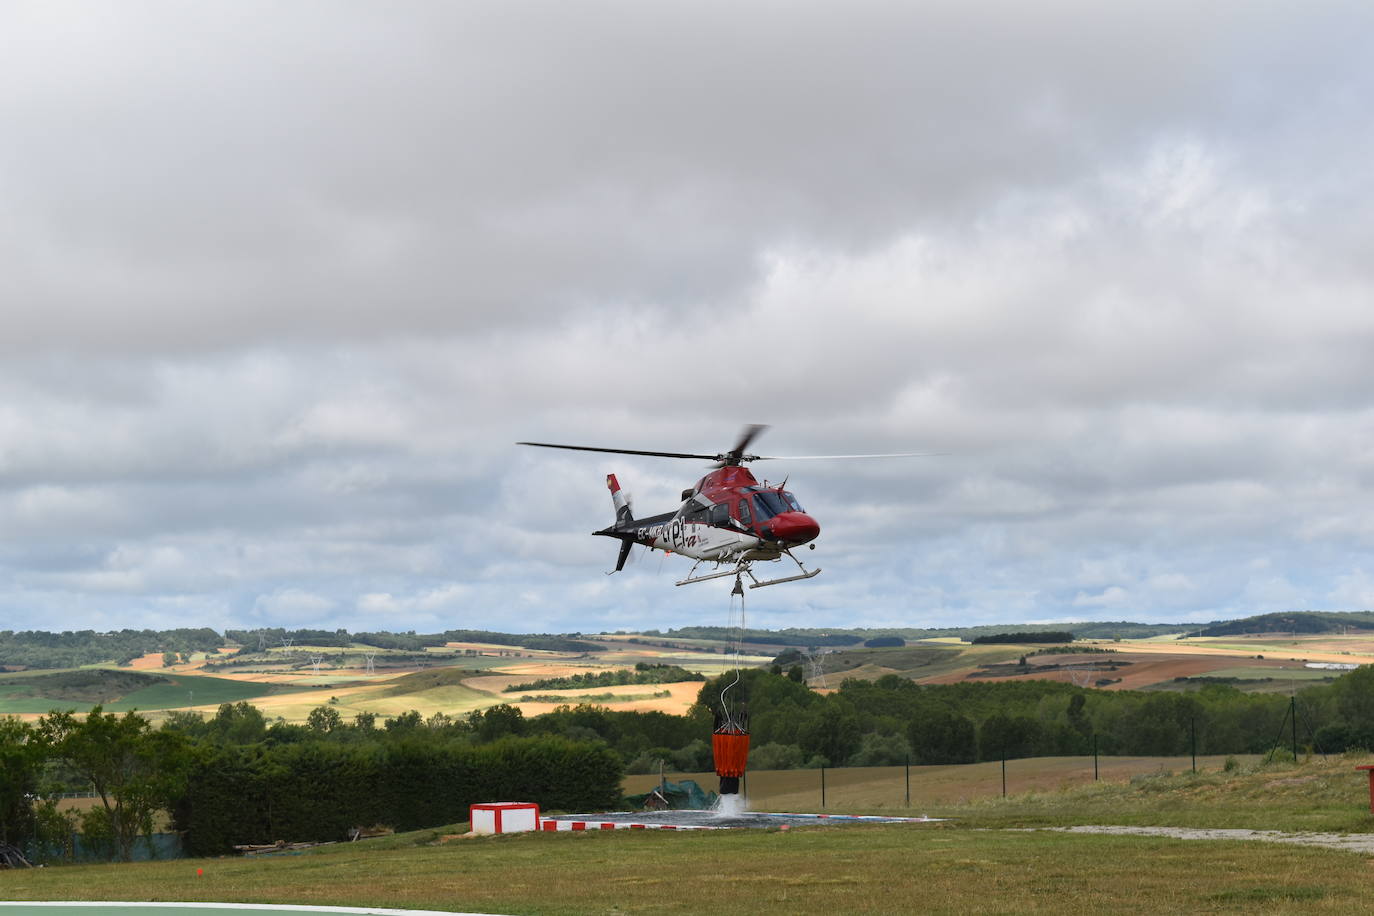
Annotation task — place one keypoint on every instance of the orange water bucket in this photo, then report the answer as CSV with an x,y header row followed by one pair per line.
x,y
731,752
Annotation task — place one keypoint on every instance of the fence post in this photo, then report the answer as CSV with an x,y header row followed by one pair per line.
x,y
1004,772
1192,731
1293,711
1094,756
822,787
908,780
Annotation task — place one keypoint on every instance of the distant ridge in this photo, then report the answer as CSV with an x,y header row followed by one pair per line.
x,y
1290,622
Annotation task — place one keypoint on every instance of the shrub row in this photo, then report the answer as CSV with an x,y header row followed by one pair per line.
x,y
316,791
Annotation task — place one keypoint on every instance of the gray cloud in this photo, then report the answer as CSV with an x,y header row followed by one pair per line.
x,y
282,286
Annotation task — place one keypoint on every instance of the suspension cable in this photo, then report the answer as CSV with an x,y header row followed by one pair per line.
x,y
737,624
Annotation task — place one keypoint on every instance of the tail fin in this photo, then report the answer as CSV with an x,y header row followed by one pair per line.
x,y
621,499
625,546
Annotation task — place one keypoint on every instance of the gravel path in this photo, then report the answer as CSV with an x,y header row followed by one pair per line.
x,y
1350,842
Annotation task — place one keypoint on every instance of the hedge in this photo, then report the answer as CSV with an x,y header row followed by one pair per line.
x,y
316,791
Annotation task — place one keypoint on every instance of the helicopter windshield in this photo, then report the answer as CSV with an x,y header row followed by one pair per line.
x,y
768,503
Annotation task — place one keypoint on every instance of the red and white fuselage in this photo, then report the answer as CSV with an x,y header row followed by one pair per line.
x,y
728,516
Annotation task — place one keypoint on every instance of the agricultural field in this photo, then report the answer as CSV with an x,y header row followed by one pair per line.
x,y
992,856
118,690
284,681
1263,663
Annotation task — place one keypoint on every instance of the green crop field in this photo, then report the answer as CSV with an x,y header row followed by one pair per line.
x,y
189,689
178,690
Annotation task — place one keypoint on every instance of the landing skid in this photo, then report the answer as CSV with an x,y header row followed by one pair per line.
x,y
744,568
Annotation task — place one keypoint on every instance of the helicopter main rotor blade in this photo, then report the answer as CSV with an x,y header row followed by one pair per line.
x,y
619,451
736,455
840,457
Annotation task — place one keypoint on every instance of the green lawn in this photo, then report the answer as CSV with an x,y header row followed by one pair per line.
x,y
870,869
981,861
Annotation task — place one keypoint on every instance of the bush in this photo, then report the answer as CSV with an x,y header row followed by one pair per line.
x,y
881,751
774,756
694,758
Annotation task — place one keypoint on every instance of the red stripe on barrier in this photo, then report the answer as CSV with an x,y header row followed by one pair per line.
x,y
578,825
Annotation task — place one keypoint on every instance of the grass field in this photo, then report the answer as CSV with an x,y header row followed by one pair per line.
x,y
982,861
874,789
878,869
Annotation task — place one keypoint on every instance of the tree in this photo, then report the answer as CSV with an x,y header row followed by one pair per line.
x,y
941,736
405,722
21,761
239,723
324,719
1003,736
497,722
134,769
877,750
831,732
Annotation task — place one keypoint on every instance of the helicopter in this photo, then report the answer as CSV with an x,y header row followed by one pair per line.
x,y
726,518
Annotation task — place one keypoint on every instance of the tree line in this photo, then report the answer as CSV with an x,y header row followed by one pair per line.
x,y
74,648
236,779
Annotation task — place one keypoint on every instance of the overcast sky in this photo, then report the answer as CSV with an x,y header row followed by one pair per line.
x,y
283,283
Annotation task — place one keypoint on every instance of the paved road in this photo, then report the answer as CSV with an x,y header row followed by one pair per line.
x,y
1351,842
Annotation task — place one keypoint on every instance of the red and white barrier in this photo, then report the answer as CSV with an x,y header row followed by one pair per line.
x,y
551,825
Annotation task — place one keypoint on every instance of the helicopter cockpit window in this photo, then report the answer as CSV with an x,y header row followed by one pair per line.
x,y
792,501
768,504
720,515
744,517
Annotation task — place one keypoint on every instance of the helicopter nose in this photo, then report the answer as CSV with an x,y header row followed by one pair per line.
x,y
795,528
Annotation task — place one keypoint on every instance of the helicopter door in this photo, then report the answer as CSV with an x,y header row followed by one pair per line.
x,y
720,515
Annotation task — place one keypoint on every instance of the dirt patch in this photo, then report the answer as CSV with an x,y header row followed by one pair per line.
x,y
1350,842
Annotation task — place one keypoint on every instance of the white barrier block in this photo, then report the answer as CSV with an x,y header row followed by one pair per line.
x,y
504,817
